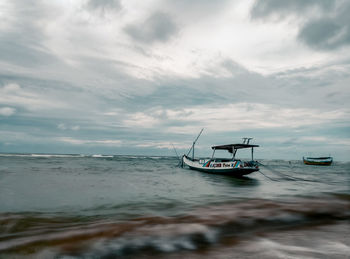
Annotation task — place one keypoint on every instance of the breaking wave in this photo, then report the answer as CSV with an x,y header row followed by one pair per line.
x,y
203,228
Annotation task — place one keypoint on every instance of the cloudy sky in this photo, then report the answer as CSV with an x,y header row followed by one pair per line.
x,y
135,77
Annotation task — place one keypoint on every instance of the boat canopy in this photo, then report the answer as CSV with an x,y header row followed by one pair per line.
x,y
231,147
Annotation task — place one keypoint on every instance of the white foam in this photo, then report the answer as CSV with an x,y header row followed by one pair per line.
x,y
53,155
39,155
101,156
326,248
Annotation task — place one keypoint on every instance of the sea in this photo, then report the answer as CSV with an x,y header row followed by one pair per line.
x,y
101,206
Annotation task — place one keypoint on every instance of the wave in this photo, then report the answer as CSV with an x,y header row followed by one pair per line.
x,y
102,156
41,155
55,155
201,228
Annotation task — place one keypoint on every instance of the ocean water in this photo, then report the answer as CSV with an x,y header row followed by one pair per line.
x,y
73,206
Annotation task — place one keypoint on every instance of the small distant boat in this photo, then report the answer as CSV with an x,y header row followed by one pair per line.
x,y
226,166
318,160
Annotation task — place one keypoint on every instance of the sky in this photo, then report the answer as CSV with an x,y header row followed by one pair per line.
x,y
141,77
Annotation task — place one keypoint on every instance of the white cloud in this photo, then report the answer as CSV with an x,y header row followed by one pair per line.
x,y
76,127
62,126
74,141
11,88
141,120
118,143
14,136
30,99
7,111
236,117
228,32
160,145
327,140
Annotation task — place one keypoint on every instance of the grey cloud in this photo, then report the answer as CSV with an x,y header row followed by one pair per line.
x,y
196,5
21,38
186,12
246,86
158,27
233,67
320,33
275,8
325,23
103,6
328,33
207,90
96,4
86,108
22,53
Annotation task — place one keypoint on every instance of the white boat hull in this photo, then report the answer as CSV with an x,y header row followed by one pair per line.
x,y
231,167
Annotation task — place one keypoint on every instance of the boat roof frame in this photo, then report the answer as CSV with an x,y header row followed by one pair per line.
x,y
231,147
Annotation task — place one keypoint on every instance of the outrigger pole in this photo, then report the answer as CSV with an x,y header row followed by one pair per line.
x,y
194,142
175,151
180,160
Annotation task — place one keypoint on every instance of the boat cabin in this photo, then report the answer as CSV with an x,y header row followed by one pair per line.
x,y
232,148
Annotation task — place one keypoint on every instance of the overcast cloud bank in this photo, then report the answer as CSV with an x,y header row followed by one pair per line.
x,y
125,77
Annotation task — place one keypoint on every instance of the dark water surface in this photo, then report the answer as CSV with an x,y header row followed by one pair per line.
x,y
71,206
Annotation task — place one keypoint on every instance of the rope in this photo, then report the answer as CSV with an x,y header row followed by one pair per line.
x,y
268,177
285,176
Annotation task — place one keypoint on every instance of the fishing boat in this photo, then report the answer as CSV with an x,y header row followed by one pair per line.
x,y
227,166
318,160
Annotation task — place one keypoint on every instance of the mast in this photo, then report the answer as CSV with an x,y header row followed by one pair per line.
x,y
193,150
212,156
194,142
234,151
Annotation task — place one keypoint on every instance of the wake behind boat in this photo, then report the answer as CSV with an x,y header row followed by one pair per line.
x,y
227,166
